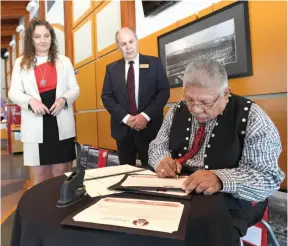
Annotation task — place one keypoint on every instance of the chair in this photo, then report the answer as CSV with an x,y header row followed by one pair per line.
x,y
270,231
112,159
261,221
98,158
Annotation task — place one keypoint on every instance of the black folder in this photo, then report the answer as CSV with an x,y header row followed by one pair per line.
x,y
180,234
148,190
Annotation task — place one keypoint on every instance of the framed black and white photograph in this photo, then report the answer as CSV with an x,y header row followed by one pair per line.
x,y
222,35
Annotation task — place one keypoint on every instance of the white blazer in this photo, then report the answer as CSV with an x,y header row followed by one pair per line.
x,y
24,87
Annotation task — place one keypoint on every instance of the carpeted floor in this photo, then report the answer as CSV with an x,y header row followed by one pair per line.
x,y
278,216
6,230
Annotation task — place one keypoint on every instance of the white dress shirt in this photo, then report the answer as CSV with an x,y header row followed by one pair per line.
x,y
136,79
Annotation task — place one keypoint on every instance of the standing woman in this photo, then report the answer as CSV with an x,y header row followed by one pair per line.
x,y
44,86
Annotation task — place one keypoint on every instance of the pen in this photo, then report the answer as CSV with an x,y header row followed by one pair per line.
x,y
173,157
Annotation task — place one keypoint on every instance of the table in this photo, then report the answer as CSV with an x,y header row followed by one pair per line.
x,y
37,222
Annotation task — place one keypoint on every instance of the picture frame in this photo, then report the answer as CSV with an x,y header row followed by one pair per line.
x,y
223,35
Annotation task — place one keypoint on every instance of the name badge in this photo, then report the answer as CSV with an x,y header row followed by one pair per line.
x,y
144,65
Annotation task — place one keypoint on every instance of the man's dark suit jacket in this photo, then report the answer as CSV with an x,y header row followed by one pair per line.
x,y
153,95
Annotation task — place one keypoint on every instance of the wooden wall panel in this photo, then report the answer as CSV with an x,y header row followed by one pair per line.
x,y
108,49
97,3
269,58
42,9
222,4
86,79
187,20
17,44
7,62
100,73
166,109
6,79
276,108
104,131
68,29
128,14
86,128
10,58
84,15
205,11
175,94
149,44
91,35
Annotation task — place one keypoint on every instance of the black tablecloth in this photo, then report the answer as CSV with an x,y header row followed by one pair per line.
x,y
37,222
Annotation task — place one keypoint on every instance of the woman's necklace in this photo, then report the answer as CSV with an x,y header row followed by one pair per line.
x,y
43,81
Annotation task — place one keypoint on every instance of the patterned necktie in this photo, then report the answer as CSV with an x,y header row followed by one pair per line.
x,y
131,89
197,143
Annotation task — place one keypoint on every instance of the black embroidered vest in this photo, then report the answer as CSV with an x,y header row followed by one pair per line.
x,y
225,145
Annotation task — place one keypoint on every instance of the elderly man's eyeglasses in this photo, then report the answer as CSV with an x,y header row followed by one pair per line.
x,y
204,106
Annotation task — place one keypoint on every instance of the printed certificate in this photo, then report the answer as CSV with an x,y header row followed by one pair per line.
x,y
150,215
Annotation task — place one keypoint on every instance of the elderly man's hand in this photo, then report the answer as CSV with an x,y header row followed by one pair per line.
x,y
168,167
202,181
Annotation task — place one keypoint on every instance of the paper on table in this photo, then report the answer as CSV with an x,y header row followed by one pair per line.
x,y
167,192
153,181
146,172
134,213
99,187
108,171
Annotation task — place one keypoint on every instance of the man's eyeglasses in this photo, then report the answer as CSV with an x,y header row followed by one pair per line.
x,y
204,106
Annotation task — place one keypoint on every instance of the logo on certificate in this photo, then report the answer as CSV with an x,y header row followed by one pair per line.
x,y
140,222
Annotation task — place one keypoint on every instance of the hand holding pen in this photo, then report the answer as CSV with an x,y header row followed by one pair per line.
x,y
178,166
168,168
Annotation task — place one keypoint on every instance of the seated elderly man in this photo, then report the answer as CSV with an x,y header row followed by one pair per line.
x,y
227,143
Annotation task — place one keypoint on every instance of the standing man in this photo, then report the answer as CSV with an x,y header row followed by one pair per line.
x,y
135,92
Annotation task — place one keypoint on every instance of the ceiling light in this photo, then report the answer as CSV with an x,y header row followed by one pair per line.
x,y
12,43
31,6
20,28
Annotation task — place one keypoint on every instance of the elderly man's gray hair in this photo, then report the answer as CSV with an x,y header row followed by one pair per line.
x,y
205,73
131,29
